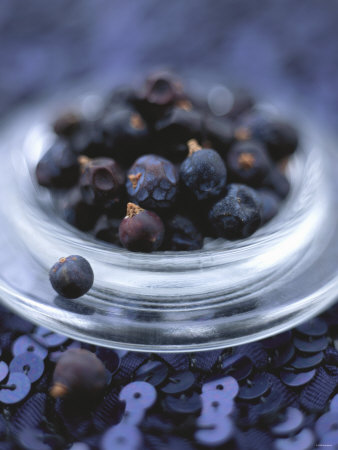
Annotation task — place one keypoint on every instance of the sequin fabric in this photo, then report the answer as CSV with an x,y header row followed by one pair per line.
x,y
279,393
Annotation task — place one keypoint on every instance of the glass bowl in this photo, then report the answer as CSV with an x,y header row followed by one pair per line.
x,y
228,293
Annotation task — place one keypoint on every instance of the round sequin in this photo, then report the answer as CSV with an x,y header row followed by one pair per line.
x,y
213,433
180,382
295,379
315,327
293,421
183,404
301,441
307,362
35,439
138,394
277,341
269,407
215,402
3,370
16,389
133,416
122,437
326,423
282,356
48,338
330,440
153,372
238,366
312,345
32,439
28,363
228,385
254,388
79,446
26,344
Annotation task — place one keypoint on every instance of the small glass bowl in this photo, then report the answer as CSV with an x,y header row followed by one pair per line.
x,y
226,294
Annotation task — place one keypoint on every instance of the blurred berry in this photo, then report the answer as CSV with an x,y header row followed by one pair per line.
x,y
270,204
248,163
277,182
107,229
67,123
126,134
79,374
58,167
77,212
182,234
279,137
178,126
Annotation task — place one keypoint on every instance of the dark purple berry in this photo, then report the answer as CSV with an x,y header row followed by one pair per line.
x,y
72,276
248,163
203,172
121,97
107,229
88,140
242,103
126,134
270,203
279,137
218,133
58,167
277,182
237,215
67,124
160,91
152,182
102,182
79,374
77,212
182,234
178,126
141,230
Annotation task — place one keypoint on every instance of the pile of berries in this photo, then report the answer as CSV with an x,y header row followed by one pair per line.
x,y
181,171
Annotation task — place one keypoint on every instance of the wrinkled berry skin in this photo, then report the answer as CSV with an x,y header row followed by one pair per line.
x,y
79,374
248,163
279,137
204,174
270,204
182,234
71,277
237,215
156,182
58,167
142,232
102,182
126,135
